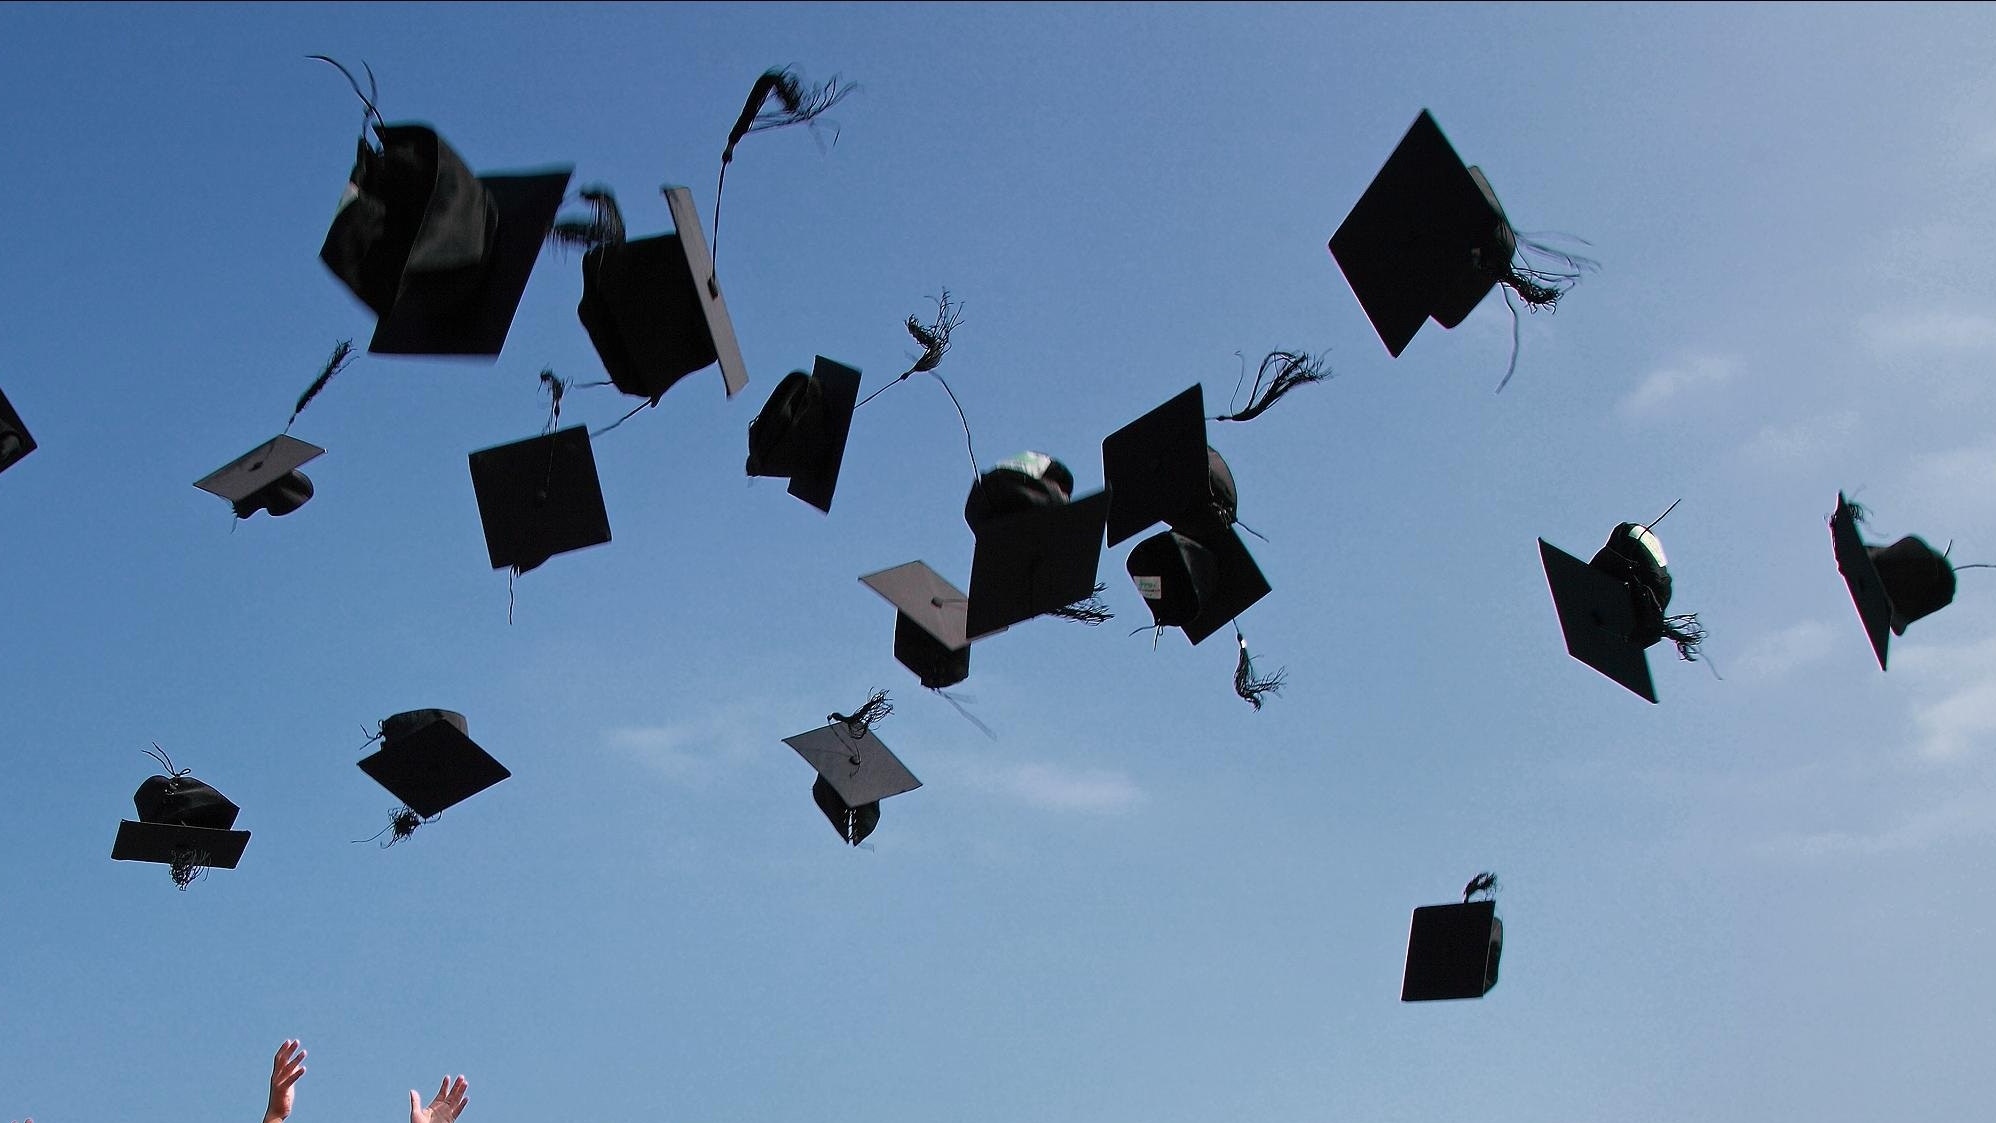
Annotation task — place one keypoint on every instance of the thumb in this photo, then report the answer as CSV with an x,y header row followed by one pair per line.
x,y
415,1101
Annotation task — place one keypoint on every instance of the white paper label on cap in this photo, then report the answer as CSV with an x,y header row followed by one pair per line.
x,y
1152,588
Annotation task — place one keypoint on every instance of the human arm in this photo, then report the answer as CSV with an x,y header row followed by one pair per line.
x,y
285,1069
450,1102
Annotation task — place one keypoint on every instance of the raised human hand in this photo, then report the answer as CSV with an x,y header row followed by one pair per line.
x,y
452,1098
285,1069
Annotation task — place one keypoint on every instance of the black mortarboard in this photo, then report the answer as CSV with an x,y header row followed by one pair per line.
x,y
427,761
1892,586
15,441
1026,482
654,311
440,255
1197,586
266,478
1034,562
1597,614
1452,952
801,432
929,635
1427,238
538,498
855,772
1158,466
183,823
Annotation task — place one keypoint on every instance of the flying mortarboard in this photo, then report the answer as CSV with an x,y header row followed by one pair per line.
x,y
427,761
1158,466
183,823
855,772
440,255
1015,485
1892,586
1035,562
1198,586
801,432
15,441
1612,608
1453,951
266,478
930,638
538,498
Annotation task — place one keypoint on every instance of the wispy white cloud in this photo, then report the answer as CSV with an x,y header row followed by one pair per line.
x,y
1777,653
1928,331
688,752
1665,383
1052,787
1801,442
1967,814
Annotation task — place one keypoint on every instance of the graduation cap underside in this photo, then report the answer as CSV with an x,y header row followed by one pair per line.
x,y
1596,615
930,637
1034,562
15,441
860,768
1452,952
1157,467
654,311
1224,577
539,497
434,768
172,844
1406,247
814,450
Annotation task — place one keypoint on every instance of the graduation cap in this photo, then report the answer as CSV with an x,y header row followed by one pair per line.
x,y
1198,586
1026,482
1428,239
1892,586
652,306
15,440
538,498
855,772
427,761
1158,467
930,637
1453,950
266,478
441,255
801,432
1034,562
1612,609
183,823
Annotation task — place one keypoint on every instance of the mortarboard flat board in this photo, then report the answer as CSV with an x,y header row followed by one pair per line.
x,y
1239,585
1157,467
654,311
257,479
1034,562
1452,952
538,498
930,637
15,441
801,432
171,844
1409,247
1597,616
859,767
460,310
1860,573
433,767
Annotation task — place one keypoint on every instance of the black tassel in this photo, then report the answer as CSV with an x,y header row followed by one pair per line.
x,y
554,387
342,355
185,866
1485,882
166,762
1090,610
1686,633
603,227
1250,687
876,709
1538,285
796,104
402,822
1292,369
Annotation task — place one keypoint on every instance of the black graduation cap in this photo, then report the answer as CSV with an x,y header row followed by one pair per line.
x,y
801,432
653,308
855,772
1892,586
538,498
266,478
1026,482
1452,951
1034,562
1427,239
930,638
1197,585
1158,466
1612,609
427,761
183,823
15,440
440,255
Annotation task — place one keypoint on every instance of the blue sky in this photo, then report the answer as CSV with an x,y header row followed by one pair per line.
x,y
1142,901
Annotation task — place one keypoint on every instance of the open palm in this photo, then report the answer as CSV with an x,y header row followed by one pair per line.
x,y
452,1097
285,1069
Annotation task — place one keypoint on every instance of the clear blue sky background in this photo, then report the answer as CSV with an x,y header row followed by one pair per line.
x,y
1763,899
